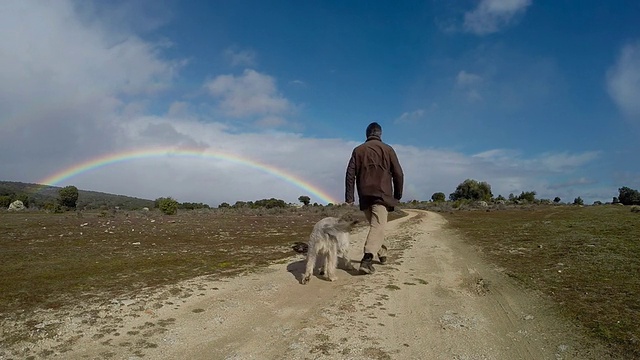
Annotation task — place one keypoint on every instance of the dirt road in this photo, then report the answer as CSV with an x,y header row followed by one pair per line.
x,y
435,299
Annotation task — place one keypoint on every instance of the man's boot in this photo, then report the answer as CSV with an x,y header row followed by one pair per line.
x,y
383,258
366,264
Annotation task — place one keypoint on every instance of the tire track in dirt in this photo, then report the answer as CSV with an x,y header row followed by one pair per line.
x,y
434,300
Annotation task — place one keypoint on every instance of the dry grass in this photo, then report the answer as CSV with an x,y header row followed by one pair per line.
x,y
586,258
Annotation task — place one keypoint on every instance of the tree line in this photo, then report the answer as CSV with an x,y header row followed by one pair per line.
x,y
468,190
473,190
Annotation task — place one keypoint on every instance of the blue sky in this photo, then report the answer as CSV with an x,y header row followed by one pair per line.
x,y
525,95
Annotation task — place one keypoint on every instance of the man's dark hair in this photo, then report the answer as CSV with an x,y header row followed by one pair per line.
x,y
374,129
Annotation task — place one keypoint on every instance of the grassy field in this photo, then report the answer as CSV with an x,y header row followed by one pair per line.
x,y
585,258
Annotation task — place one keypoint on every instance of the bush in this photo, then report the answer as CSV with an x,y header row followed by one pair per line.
x,y
529,196
193,206
167,205
460,203
578,201
5,201
53,207
68,196
272,203
242,204
304,200
472,190
629,196
438,197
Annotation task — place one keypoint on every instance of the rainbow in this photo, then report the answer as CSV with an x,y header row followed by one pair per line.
x,y
112,158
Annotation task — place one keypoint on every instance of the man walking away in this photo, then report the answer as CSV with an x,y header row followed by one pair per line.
x,y
376,172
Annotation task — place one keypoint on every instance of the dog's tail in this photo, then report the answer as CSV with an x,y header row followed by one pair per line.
x,y
341,226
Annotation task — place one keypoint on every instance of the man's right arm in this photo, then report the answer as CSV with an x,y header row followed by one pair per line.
x,y
350,179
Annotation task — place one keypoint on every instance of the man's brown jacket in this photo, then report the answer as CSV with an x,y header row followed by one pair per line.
x,y
376,172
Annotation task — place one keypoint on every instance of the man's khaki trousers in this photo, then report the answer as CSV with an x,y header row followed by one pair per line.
x,y
377,217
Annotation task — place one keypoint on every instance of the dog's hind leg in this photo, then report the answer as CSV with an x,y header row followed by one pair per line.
x,y
323,265
331,264
343,248
347,265
311,263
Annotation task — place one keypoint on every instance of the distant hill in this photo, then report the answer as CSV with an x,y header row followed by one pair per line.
x,y
38,195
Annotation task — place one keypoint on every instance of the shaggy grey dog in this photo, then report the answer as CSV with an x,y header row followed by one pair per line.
x,y
330,240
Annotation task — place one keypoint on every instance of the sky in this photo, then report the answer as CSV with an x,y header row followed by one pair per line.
x,y
226,101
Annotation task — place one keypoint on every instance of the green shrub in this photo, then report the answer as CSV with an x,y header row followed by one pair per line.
x,y
68,196
438,197
272,203
472,190
167,205
53,207
529,196
628,196
5,201
460,203
304,200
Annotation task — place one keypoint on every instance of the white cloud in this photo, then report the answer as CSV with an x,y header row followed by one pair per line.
x,y
497,79
298,83
466,79
492,15
271,121
436,170
67,57
410,116
66,79
560,162
469,83
623,80
504,157
251,94
572,183
246,58
178,109
565,161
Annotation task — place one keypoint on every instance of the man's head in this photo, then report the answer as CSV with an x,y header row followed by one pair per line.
x,y
374,129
